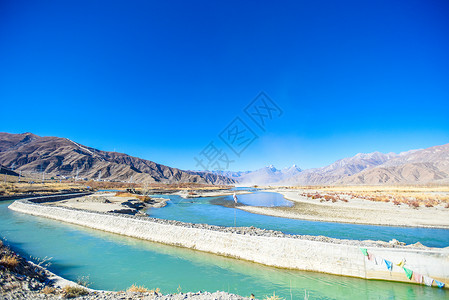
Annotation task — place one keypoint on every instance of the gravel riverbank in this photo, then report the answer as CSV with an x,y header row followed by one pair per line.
x,y
21,279
252,231
267,247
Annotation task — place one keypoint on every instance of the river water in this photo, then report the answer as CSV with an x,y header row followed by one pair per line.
x,y
213,211
114,262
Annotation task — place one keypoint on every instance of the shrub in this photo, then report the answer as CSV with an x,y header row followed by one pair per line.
x,y
141,289
48,290
428,204
316,196
9,261
137,289
74,291
396,202
274,297
145,199
414,204
83,280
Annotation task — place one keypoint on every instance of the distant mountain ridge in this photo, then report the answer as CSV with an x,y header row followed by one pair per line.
x,y
61,156
340,169
421,166
429,165
264,176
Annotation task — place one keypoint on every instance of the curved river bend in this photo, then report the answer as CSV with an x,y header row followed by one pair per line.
x,y
115,262
211,211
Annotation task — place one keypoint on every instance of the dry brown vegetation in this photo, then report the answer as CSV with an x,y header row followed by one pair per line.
x,y
273,297
48,290
413,196
141,289
137,289
325,197
9,261
10,189
140,197
102,185
74,291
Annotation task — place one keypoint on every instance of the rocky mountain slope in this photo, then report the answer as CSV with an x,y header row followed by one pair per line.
x,y
340,169
424,166
264,176
60,156
269,175
429,165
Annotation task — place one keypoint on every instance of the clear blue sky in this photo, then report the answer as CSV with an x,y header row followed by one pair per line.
x,y
161,79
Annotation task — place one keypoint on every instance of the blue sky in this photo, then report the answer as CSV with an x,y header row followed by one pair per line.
x,y
161,79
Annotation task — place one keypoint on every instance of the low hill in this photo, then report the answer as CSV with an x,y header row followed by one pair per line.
x,y
61,156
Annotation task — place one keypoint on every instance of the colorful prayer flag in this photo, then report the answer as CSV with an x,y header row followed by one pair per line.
x,y
427,280
389,264
364,251
401,264
408,272
418,277
439,283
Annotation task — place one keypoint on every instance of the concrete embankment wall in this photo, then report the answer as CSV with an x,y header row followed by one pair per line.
x,y
283,252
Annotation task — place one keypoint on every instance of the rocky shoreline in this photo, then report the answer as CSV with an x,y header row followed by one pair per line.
x,y
248,243
21,279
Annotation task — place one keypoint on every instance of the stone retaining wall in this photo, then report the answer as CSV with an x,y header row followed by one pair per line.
x,y
284,252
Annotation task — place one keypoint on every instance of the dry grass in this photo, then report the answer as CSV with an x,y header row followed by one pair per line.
x,y
48,290
141,289
378,188
413,196
74,291
137,289
273,297
140,197
152,186
15,188
83,280
9,261
334,197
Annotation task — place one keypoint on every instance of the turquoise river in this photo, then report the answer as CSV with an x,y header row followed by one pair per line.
x,y
115,262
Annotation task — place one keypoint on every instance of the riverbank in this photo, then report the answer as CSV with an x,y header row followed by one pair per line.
x,y
339,257
353,210
125,203
209,193
23,280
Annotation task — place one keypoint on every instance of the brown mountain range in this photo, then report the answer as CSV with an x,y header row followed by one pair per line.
x,y
424,166
28,152
429,165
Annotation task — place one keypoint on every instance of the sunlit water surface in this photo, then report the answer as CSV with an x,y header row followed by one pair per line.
x,y
212,211
115,262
